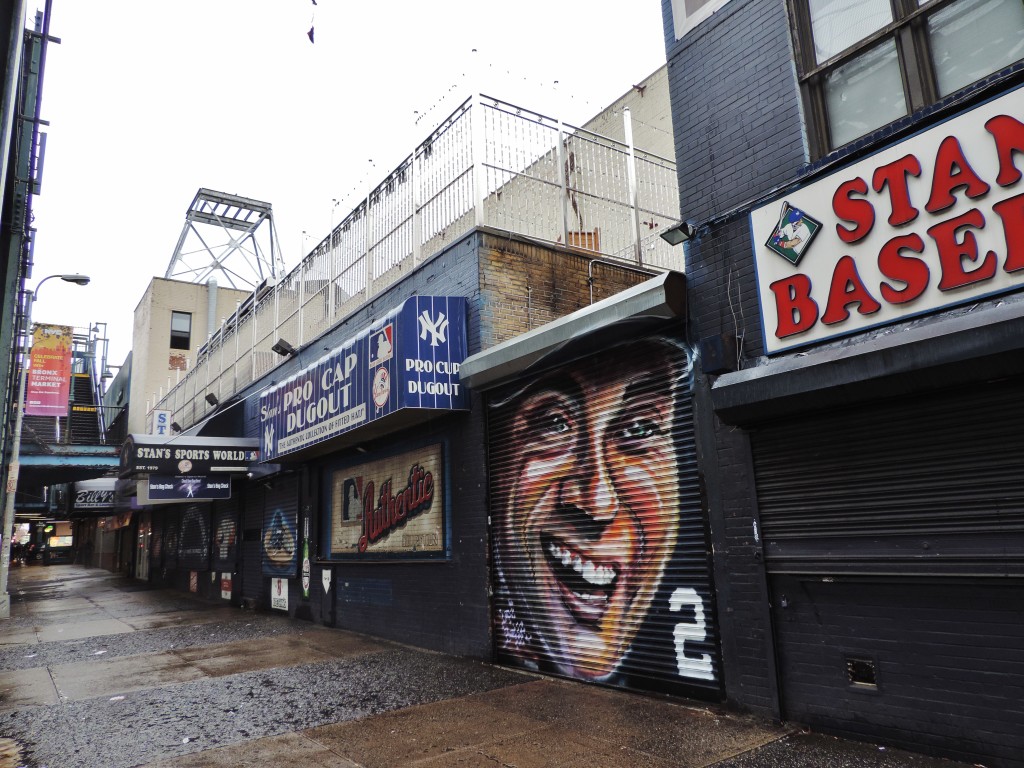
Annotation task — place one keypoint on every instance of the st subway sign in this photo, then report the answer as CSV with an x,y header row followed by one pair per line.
x,y
929,223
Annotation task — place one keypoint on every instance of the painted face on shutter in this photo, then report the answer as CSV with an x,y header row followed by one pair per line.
x,y
591,519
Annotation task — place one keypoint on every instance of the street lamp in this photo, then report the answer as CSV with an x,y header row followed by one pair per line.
x,y
6,533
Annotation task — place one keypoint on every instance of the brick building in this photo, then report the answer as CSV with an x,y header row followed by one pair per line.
x,y
850,170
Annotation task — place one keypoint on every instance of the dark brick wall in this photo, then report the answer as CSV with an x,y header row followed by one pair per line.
x,y
739,134
511,287
524,285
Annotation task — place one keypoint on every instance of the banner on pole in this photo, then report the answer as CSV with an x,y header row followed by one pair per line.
x,y
48,386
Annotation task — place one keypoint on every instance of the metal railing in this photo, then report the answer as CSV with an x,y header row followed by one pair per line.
x,y
488,164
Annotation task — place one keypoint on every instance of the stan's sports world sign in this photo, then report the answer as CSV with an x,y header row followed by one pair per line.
x,y
932,222
409,359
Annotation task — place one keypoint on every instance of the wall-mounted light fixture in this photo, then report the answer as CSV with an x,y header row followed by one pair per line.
x,y
680,233
175,426
283,348
212,399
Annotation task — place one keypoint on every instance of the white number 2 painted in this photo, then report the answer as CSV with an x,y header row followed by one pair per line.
x,y
698,666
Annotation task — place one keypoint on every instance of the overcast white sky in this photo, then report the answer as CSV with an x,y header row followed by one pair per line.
x,y
148,102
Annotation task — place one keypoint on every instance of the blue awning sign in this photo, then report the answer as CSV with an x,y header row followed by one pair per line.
x,y
408,359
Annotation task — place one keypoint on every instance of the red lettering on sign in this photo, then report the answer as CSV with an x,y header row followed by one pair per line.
x,y
847,288
1011,211
855,210
796,310
952,172
953,251
909,270
894,177
392,511
1009,135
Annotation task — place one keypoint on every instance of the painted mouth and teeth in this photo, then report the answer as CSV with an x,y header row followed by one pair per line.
x,y
587,584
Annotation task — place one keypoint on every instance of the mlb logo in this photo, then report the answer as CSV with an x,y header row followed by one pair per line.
x,y
382,345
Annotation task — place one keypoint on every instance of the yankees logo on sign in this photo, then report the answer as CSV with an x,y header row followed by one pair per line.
x,y
409,358
436,327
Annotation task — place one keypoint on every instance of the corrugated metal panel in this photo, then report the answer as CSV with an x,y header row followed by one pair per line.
x,y
599,540
929,484
171,523
225,533
252,545
194,545
281,529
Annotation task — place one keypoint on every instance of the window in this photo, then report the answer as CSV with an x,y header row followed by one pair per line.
x,y
181,330
866,63
687,14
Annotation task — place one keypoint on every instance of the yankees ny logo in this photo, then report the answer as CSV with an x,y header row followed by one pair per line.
x,y
268,438
436,328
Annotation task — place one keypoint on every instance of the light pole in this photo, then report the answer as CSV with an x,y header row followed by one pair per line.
x,y
6,533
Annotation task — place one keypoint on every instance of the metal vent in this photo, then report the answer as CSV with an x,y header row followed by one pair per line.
x,y
861,672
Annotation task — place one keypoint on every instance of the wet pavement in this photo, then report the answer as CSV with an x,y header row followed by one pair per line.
x,y
99,671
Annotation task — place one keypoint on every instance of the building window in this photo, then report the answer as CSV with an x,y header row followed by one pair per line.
x,y
866,63
181,330
686,14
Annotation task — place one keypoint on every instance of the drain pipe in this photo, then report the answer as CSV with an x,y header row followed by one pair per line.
x,y
211,307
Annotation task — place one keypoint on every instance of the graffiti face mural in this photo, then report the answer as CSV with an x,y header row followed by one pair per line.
x,y
588,490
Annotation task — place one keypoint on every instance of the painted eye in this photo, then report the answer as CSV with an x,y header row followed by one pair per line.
x,y
553,423
640,429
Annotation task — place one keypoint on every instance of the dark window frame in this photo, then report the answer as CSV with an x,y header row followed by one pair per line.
x,y
909,30
178,337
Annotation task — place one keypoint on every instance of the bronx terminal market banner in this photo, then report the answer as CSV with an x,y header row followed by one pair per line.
x,y
48,386
408,359
932,222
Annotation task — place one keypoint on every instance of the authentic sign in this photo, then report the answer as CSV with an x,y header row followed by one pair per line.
x,y
148,454
390,507
409,359
929,223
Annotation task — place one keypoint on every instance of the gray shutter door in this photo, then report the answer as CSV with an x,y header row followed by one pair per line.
x,y
894,540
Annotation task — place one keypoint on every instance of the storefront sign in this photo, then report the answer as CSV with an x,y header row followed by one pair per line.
x,y
165,488
409,359
94,494
48,386
932,222
279,594
160,423
306,570
225,586
393,507
194,456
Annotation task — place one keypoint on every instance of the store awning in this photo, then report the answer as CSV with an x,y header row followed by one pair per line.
x,y
187,455
660,298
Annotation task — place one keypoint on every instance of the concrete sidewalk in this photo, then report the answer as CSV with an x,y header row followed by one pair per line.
x,y
97,670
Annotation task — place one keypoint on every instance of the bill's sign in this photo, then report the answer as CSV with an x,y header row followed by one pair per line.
x,y
932,222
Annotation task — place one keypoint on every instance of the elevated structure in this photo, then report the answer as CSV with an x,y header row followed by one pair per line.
x,y
489,165
227,237
67,448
